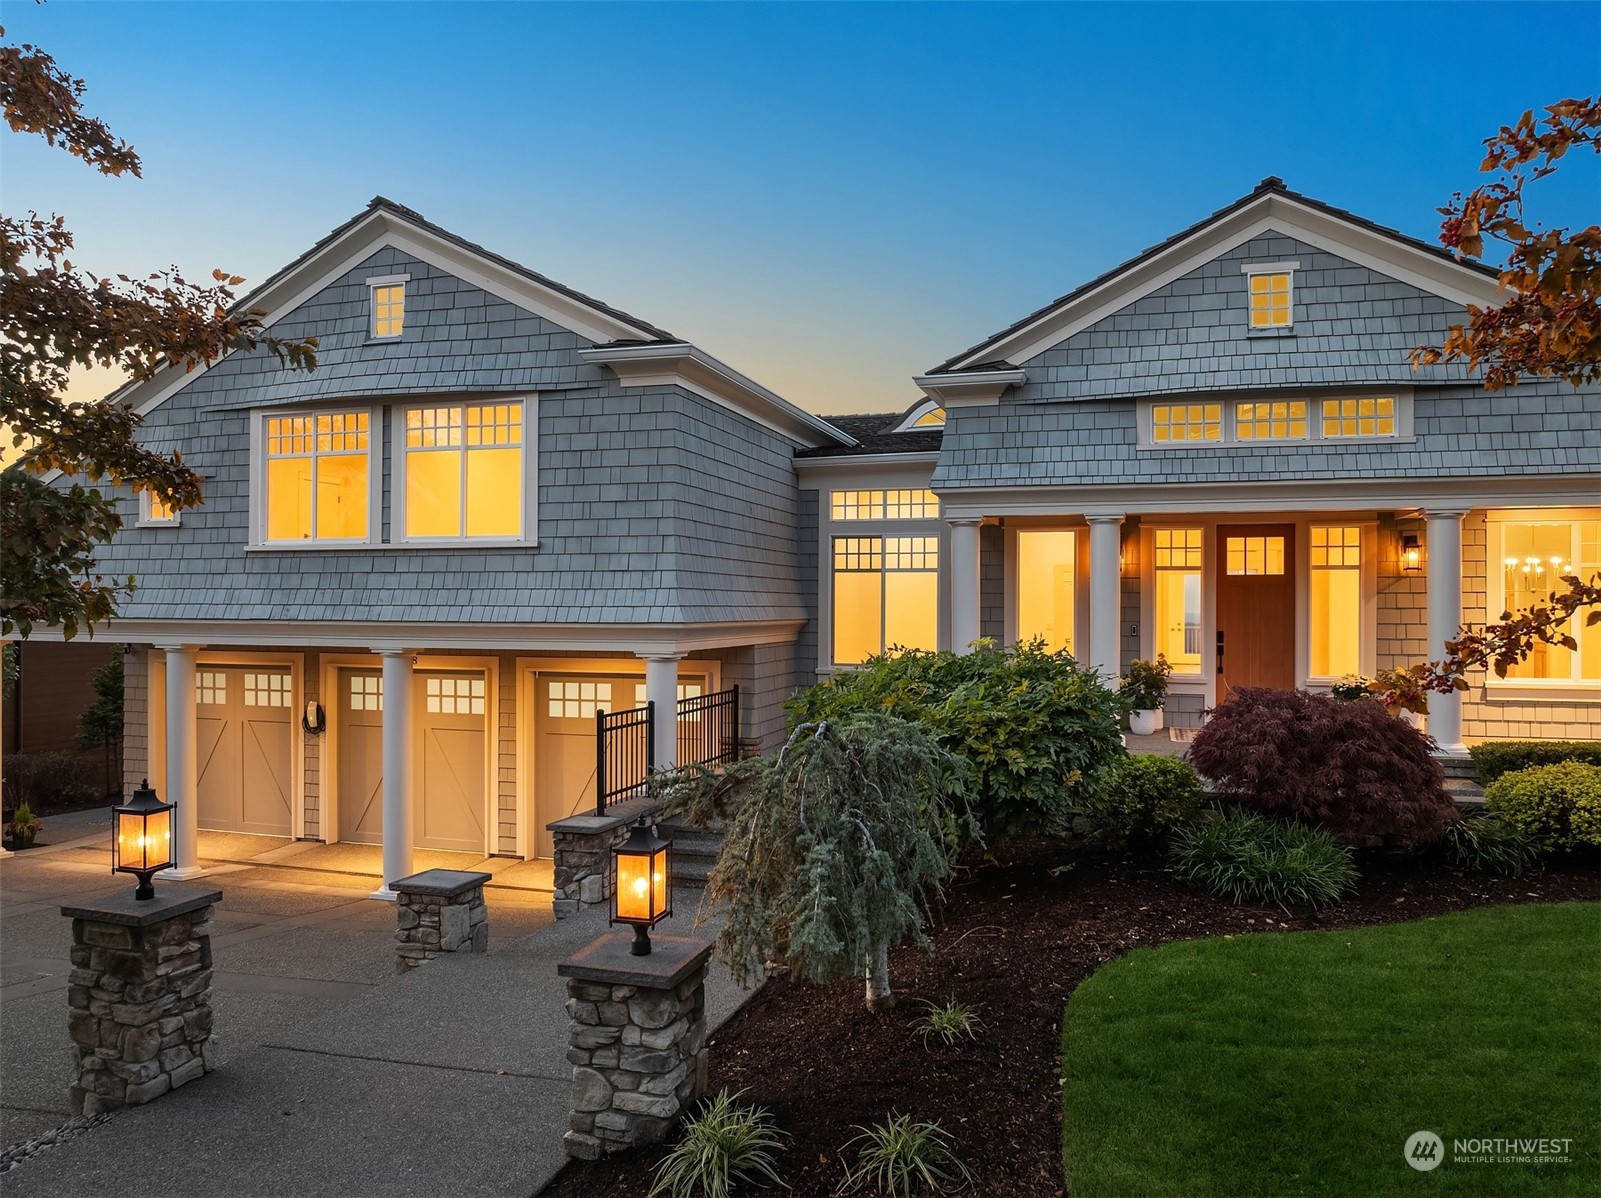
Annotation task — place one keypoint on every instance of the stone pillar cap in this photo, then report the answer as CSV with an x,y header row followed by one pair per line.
x,y
445,882
123,908
671,959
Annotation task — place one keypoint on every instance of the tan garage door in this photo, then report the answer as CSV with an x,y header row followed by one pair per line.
x,y
360,756
244,728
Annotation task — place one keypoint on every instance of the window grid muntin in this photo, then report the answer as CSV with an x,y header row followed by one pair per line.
x,y
1336,546
461,429
366,692
450,695
1270,420
1186,422
313,437
266,689
883,557
1254,556
211,687
906,503
1270,300
388,309
1178,548
1362,416
577,700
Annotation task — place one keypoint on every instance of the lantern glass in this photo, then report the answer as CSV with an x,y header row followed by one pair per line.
x,y
633,888
144,839
642,894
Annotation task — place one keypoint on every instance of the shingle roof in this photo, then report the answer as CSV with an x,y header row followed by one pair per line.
x,y
1271,185
871,432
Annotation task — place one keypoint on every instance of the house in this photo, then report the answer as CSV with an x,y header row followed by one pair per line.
x,y
500,508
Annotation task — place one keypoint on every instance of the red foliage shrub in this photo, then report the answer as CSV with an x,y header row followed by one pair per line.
x,y
1350,768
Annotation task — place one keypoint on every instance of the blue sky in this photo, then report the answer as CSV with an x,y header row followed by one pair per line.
x,y
830,197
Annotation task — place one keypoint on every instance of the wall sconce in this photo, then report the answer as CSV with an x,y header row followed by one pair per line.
x,y
1411,553
141,841
642,890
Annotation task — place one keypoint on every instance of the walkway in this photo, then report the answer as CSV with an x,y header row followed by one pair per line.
x,y
335,1076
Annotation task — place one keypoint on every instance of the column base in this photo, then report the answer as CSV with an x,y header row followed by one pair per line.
x,y
1457,750
182,873
5,852
384,895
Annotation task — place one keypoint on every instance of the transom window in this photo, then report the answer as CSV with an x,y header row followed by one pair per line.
x,y
463,469
1279,420
1534,557
886,593
1365,417
1177,601
317,476
1255,555
1186,422
910,504
1336,617
388,309
454,696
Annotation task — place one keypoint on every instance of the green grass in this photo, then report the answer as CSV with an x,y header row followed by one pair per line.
x,y
1300,1063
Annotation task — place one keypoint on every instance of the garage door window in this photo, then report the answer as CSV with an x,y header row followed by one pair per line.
x,y
578,700
266,690
455,696
211,687
366,692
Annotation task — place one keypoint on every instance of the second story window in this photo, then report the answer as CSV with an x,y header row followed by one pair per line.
x,y
317,472
388,306
1186,422
153,509
1365,417
462,467
1270,289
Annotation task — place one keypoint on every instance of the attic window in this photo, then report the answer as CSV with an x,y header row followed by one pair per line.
x,y
1271,290
924,414
388,305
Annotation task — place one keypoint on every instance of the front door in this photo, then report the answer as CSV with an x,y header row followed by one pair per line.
x,y
1255,607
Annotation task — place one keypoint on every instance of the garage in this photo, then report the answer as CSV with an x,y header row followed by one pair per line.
x,y
245,749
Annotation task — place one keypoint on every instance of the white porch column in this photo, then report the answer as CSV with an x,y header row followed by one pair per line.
x,y
1444,550
661,688
964,575
4,852
397,756
1106,599
183,768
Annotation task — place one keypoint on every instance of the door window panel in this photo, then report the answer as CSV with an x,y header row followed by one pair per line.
x,y
1336,601
1255,555
1178,597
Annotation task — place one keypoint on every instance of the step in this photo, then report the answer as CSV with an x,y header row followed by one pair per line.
x,y
1464,792
1457,765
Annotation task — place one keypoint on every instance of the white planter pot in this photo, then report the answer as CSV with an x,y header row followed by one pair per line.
x,y
1145,723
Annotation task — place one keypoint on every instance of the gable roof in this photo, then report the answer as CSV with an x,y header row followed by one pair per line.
x,y
1271,205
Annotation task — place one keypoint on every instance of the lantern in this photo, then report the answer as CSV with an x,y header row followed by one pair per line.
x,y
642,888
141,841
1411,553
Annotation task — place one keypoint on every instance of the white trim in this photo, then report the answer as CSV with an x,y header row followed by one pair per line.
x,y
387,280
397,456
1230,400
845,462
974,388
1269,268
1270,212
681,364
908,422
256,538
146,501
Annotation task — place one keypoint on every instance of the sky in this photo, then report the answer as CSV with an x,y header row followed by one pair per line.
x,y
829,197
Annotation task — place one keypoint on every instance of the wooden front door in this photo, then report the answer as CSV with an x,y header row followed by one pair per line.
x,y
1255,607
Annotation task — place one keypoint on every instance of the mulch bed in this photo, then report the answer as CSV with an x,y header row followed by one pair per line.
x,y
1020,932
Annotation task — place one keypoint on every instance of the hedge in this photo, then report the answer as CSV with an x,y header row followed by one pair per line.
x,y
1497,757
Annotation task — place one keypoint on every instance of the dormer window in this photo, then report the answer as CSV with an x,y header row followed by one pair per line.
x,y
388,306
924,414
1270,288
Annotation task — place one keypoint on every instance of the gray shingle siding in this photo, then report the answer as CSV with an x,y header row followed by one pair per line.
x,y
655,504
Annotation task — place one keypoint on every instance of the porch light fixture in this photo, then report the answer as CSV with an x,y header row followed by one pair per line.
x,y
642,887
141,841
1411,553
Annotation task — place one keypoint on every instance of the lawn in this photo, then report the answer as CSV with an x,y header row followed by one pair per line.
x,y
1300,1064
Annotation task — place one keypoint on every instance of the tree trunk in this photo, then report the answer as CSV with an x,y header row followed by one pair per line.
x,y
879,996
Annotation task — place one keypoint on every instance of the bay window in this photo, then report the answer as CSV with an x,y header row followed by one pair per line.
x,y
462,471
1534,557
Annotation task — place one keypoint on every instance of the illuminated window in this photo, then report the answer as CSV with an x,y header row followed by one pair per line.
x,y
266,690
1270,300
211,687
1373,417
884,505
1281,420
686,690
1186,422
933,418
886,593
1535,557
366,692
454,696
317,477
464,471
388,309
1255,555
1336,601
578,700
1046,572
1178,597
156,510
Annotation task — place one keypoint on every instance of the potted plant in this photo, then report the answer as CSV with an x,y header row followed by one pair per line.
x,y
23,826
1142,694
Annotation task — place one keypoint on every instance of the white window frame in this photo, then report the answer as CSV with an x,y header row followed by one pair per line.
x,y
258,477
530,474
1495,600
373,284
908,423
883,531
147,513
1314,419
1250,269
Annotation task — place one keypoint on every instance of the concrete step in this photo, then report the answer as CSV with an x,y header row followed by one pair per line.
x,y
1458,765
1464,792
694,852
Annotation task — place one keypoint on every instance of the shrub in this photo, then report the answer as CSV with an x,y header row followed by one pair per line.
x,y
726,1144
44,780
1032,726
1248,858
1348,768
900,1158
1144,797
1145,688
1483,841
1496,757
949,1021
1558,806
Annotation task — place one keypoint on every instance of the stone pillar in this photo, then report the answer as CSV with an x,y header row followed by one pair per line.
x,y
397,759
636,1042
140,996
439,911
1105,595
661,688
583,845
1444,550
183,769
964,574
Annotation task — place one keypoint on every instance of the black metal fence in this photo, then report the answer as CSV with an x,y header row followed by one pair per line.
x,y
625,753
708,728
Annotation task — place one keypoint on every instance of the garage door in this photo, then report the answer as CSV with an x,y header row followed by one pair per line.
x,y
564,748
360,756
244,749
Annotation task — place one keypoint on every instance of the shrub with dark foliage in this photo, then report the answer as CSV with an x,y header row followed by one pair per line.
x,y
1350,768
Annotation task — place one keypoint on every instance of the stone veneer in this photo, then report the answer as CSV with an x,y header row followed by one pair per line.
x,y
636,1042
439,911
583,847
140,997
